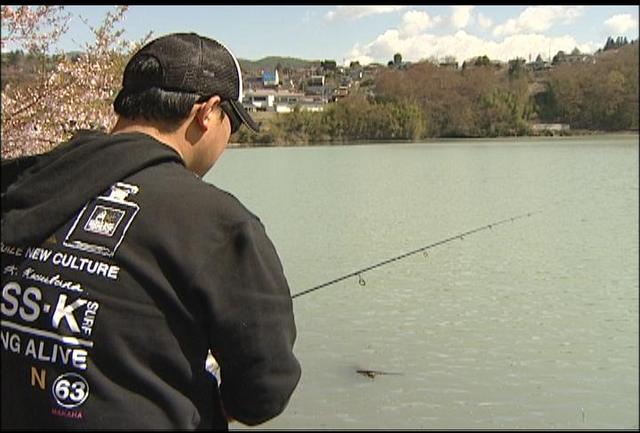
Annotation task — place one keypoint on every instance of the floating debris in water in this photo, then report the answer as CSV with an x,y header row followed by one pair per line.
x,y
373,373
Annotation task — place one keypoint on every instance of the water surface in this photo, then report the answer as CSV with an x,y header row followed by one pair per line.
x,y
532,324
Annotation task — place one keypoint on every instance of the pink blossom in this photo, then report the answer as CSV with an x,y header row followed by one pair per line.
x,y
39,114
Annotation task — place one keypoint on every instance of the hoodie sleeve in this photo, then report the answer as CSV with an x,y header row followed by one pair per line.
x,y
13,168
249,314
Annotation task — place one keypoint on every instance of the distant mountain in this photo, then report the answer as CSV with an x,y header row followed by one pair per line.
x,y
271,62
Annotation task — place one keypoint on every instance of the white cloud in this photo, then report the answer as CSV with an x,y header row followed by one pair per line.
x,y
484,22
357,12
415,37
461,16
357,54
414,22
538,19
622,24
525,45
462,46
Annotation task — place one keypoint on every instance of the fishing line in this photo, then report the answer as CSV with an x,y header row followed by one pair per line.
x,y
459,236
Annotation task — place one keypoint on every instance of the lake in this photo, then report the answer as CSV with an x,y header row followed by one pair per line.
x,y
532,324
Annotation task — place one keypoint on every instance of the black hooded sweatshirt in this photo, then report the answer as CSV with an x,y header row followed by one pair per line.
x,y
121,269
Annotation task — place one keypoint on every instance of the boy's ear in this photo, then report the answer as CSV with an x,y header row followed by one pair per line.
x,y
205,112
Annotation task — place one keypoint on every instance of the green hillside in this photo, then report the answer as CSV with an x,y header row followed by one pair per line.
x,y
270,63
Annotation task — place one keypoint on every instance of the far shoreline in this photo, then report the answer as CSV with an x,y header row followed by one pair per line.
x,y
572,134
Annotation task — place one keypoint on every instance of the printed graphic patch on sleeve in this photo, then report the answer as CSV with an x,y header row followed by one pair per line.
x,y
102,224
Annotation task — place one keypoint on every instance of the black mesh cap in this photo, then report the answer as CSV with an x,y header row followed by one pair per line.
x,y
194,64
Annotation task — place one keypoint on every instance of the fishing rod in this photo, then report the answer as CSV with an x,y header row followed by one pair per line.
x,y
359,272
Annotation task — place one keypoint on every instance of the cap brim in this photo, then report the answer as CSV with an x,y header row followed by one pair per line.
x,y
244,115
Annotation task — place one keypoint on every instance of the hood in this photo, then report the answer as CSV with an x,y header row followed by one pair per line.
x,y
41,193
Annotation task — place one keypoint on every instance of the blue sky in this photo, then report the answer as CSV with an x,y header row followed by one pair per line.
x,y
375,33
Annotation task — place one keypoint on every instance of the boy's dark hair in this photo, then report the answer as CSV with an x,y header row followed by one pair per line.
x,y
152,103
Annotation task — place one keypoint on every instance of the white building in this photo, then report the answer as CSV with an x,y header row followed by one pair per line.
x,y
282,101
